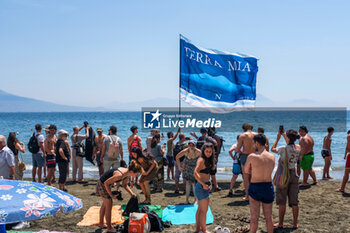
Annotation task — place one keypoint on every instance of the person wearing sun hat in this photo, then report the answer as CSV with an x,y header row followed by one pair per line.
x,y
63,154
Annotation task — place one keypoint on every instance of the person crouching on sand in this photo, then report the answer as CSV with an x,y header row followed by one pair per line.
x,y
103,189
205,165
149,169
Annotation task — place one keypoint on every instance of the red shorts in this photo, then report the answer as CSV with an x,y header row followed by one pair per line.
x,y
347,165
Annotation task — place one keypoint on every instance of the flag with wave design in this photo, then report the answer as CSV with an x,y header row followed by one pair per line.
x,y
221,81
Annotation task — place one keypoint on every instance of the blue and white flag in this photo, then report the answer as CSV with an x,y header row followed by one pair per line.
x,y
214,79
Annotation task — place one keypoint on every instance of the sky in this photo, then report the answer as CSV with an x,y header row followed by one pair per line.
x,y
91,53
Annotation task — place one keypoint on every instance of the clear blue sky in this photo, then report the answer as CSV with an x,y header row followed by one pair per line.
x,y
91,53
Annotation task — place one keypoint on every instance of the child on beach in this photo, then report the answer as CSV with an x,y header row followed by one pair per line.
x,y
103,189
191,154
236,167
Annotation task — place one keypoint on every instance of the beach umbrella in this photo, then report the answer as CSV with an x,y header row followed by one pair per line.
x,y
25,201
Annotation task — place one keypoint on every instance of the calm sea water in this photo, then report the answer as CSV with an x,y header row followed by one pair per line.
x,y
23,124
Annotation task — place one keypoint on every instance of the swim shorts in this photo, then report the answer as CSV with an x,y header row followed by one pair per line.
x,y
50,161
262,191
347,165
243,158
200,193
307,161
324,153
171,162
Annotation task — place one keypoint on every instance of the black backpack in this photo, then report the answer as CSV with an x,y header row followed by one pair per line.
x,y
131,207
179,147
200,142
33,145
154,219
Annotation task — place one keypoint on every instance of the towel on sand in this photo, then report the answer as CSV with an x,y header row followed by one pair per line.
x,y
184,214
155,208
92,216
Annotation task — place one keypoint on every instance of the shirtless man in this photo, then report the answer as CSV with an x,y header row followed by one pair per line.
x,y
306,158
98,149
259,167
347,165
49,145
326,153
246,140
262,131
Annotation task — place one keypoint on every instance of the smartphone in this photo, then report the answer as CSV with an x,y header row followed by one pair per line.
x,y
281,129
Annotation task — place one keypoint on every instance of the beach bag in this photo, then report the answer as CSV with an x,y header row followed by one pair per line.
x,y
113,150
79,148
139,223
236,169
131,207
281,178
33,145
155,221
21,164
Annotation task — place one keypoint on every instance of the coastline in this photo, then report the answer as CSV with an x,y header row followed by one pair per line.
x,y
321,209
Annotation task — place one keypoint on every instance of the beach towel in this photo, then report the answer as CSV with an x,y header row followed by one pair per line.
x,y
184,214
91,217
155,208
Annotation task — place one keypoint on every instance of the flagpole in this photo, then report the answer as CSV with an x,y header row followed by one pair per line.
x,y
180,78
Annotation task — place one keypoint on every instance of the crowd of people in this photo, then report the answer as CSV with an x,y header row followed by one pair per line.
x,y
193,160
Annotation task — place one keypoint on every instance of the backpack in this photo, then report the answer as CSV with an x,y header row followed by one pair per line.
x,y
177,148
131,207
139,223
113,149
33,145
200,142
155,220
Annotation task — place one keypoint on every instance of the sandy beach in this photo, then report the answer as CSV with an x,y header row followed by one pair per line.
x,y
321,209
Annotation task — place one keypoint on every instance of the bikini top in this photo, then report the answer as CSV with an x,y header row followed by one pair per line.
x,y
206,170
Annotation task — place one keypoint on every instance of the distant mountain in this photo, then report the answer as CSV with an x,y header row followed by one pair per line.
x,y
14,103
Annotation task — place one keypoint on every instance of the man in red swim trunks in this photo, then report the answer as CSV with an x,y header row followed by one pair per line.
x,y
347,165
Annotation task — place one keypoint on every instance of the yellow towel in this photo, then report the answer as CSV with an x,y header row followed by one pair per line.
x,y
92,216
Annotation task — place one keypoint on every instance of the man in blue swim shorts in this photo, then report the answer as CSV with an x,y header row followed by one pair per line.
x,y
259,167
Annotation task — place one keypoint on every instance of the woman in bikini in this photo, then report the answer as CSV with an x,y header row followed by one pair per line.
x,y
103,189
191,154
205,165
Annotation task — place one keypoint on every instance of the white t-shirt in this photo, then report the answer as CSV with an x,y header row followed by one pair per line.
x,y
40,138
293,155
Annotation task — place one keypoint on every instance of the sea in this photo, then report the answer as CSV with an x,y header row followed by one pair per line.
x,y
23,124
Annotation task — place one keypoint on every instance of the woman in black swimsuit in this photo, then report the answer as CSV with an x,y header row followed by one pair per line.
x,y
205,165
103,189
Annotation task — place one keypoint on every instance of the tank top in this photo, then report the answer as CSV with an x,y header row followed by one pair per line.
x,y
108,174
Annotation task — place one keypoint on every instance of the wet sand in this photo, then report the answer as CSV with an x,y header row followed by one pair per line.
x,y
321,209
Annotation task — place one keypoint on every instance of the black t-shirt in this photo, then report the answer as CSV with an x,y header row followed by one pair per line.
x,y
61,144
